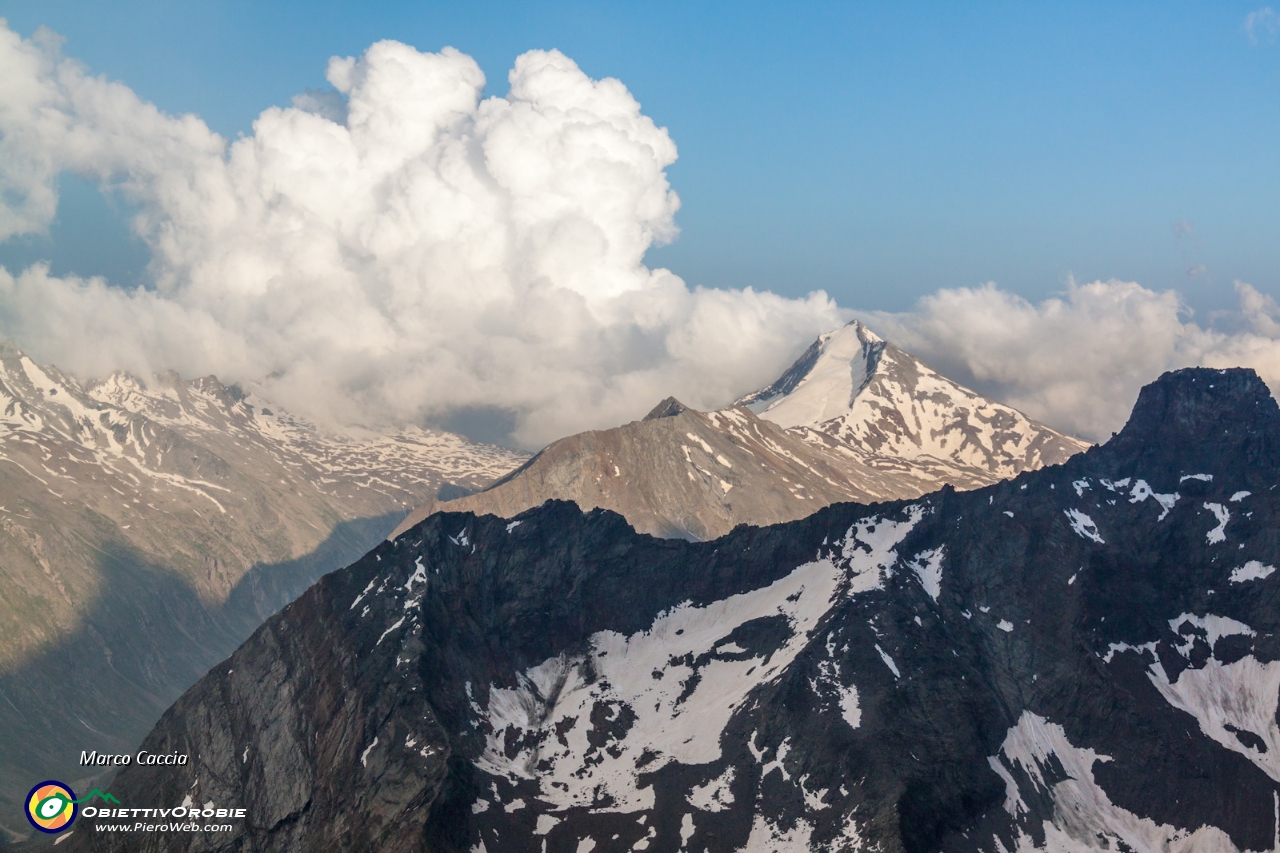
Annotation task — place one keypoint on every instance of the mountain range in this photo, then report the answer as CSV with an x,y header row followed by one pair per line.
x,y
854,419
146,529
1085,657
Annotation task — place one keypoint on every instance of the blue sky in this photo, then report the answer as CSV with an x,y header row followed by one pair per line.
x,y
878,151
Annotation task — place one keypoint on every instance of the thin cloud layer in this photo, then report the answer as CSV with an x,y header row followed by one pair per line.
x,y
1261,24
1077,361
394,250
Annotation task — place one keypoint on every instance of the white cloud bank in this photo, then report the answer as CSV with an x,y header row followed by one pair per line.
x,y
400,249
392,251
1078,361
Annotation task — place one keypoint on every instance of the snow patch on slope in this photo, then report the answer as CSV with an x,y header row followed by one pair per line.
x,y
1213,627
714,796
1219,533
1112,648
1235,704
1251,571
1084,818
927,566
869,548
849,708
1083,525
1141,491
888,661
768,837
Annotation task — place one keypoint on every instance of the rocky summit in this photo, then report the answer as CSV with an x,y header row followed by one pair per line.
x,y
1083,658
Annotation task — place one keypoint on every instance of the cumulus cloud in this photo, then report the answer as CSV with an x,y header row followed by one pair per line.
x,y
391,250
400,249
1077,361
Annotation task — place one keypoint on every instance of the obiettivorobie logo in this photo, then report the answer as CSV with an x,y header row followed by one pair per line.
x,y
52,806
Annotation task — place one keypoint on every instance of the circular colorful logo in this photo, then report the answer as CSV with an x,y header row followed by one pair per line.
x,y
51,806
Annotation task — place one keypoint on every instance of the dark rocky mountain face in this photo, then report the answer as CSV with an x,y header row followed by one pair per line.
x,y
1084,658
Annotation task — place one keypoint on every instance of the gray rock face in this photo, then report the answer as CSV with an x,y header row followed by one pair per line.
x,y
147,529
854,419
1086,657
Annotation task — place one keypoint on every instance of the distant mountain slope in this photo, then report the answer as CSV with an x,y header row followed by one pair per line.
x,y
1085,658
689,474
147,529
855,418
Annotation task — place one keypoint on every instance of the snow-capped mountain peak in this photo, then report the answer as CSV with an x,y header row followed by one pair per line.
x,y
856,391
824,382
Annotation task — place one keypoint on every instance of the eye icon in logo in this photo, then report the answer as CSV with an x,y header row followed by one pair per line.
x,y
51,806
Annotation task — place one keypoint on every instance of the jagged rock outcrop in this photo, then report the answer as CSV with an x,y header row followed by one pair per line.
x,y
147,529
854,419
1086,657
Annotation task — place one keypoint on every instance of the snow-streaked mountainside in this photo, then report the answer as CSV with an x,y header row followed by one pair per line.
x,y
854,419
871,397
1084,658
147,528
357,468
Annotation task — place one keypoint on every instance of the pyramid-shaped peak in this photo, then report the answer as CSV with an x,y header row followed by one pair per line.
x,y
860,390
668,408
852,329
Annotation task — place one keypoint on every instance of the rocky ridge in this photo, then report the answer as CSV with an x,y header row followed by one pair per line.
x,y
689,474
147,528
854,419
1086,657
